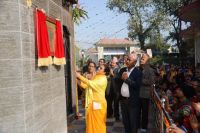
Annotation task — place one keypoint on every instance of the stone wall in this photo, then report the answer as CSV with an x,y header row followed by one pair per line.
x,y
32,99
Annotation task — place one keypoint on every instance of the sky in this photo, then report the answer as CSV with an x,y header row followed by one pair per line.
x,y
102,23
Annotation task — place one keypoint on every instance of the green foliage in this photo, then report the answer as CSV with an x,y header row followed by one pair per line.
x,y
157,42
171,9
169,59
83,61
143,17
80,60
155,60
78,13
160,48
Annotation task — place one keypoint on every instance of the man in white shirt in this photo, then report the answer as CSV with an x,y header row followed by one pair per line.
x,y
130,78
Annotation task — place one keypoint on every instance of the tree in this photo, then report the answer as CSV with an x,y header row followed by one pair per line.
x,y
144,17
171,9
157,43
78,13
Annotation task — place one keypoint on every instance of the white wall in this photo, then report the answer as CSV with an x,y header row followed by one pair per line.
x,y
100,52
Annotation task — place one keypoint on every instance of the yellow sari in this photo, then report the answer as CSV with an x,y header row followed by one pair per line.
x,y
96,105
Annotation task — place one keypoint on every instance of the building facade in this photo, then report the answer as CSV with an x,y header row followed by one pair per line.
x,y
115,47
191,13
92,54
33,99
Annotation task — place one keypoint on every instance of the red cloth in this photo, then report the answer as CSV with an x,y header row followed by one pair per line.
x,y
43,48
59,55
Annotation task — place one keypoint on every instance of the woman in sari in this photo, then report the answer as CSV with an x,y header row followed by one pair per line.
x,y
96,104
90,74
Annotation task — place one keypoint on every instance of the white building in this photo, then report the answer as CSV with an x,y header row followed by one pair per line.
x,y
93,54
107,48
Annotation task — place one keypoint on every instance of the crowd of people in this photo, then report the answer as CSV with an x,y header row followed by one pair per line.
x,y
180,87
123,84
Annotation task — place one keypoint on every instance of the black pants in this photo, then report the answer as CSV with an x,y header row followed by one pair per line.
x,y
130,116
113,98
144,110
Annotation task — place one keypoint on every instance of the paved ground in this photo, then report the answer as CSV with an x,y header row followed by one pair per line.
x,y
78,126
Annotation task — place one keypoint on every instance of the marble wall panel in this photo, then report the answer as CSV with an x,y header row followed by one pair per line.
x,y
10,45
10,68
24,18
32,99
11,101
41,94
42,4
54,10
9,16
42,117
12,124
57,87
58,2
26,72
56,71
26,45
6,82
29,120
28,100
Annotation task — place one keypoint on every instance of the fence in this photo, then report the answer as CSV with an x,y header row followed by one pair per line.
x,y
162,120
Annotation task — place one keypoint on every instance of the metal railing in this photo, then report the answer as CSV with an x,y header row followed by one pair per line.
x,y
162,119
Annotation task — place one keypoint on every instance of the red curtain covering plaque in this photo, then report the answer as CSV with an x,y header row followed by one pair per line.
x,y
43,48
59,55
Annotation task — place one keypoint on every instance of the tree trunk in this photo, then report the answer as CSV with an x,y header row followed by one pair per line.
x,y
142,41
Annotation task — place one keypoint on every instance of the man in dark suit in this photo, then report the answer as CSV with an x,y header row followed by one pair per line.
x,y
130,79
148,79
112,95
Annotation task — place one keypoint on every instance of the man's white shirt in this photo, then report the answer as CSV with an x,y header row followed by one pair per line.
x,y
125,88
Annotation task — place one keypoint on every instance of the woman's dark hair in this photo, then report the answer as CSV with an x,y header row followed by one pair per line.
x,y
92,63
88,61
107,70
187,90
102,60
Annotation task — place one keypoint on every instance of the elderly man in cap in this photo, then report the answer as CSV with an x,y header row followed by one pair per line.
x,y
130,79
112,92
